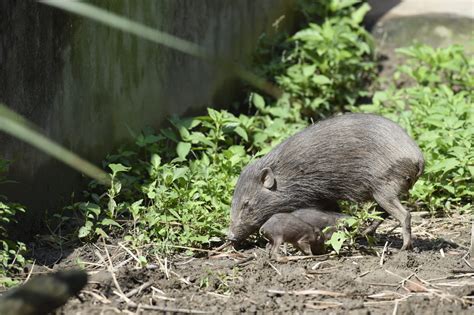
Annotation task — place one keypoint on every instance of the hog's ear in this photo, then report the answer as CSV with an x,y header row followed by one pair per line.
x,y
267,178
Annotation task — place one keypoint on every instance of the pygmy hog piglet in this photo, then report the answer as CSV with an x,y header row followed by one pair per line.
x,y
286,228
355,157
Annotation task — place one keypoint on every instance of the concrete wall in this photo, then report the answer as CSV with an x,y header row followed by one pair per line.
x,y
399,23
390,8
84,83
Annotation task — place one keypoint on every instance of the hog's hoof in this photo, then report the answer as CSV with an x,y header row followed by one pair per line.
x,y
407,246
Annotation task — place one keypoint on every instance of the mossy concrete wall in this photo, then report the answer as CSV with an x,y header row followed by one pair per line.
x,y
85,85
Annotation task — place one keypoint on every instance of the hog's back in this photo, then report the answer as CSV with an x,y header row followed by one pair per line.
x,y
346,157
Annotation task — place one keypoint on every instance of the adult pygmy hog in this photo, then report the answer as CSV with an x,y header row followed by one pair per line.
x,y
355,157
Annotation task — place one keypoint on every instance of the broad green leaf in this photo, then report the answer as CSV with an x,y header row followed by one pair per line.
x,y
179,173
450,189
321,79
155,160
309,70
175,214
308,35
337,239
183,149
117,168
350,221
101,232
144,140
199,137
111,206
444,165
337,5
241,132
358,15
168,133
380,97
90,207
109,222
85,230
258,101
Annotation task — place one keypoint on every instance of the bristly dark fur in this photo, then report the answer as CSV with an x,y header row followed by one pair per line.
x,y
354,157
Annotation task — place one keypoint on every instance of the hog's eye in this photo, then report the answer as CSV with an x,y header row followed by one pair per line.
x,y
246,203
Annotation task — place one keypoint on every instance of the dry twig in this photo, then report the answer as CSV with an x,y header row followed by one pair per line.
x,y
274,268
308,292
114,278
30,272
130,253
383,254
139,289
98,296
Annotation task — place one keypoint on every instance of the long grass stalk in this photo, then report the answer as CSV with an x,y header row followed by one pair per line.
x,y
19,127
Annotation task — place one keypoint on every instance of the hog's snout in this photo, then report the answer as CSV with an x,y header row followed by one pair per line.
x,y
238,233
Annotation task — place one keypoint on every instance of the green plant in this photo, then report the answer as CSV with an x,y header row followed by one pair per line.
x,y
327,66
318,10
220,282
175,200
433,67
436,110
349,229
97,218
174,188
11,252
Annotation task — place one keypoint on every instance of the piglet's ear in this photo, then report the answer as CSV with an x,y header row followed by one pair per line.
x,y
267,178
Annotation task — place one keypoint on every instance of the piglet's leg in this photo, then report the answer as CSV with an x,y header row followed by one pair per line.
x,y
304,246
275,247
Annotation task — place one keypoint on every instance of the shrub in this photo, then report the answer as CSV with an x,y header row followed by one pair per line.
x,y
327,66
11,252
436,109
174,188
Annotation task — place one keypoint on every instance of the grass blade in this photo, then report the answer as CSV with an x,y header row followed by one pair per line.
x,y
19,127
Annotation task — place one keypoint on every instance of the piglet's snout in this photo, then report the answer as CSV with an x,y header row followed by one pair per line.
x,y
231,236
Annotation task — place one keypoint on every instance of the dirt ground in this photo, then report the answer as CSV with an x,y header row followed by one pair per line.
x,y
435,278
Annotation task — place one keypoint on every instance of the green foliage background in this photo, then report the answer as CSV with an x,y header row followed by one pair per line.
x,y
176,185
173,187
11,252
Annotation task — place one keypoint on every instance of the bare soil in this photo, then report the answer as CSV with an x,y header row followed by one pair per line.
x,y
435,278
